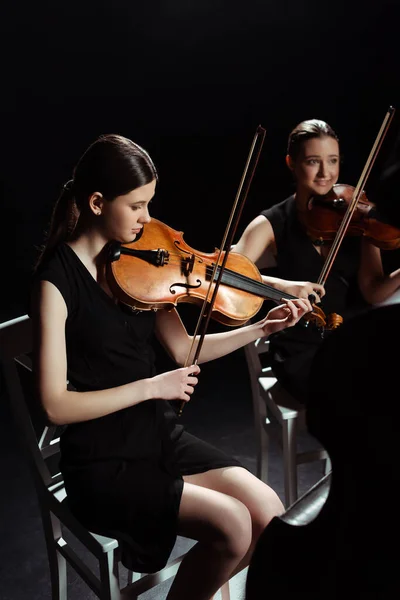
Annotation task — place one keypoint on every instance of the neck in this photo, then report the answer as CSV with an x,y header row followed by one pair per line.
x,y
89,246
302,197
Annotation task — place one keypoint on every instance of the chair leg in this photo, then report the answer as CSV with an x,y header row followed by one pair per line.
x,y
225,592
262,462
132,576
57,562
109,577
289,460
262,441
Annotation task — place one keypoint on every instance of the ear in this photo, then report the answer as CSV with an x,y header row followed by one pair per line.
x,y
96,203
289,162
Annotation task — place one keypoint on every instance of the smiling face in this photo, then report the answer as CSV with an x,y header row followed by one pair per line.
x,y
316,168
123,217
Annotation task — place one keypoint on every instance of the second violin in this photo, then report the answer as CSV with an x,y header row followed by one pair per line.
x,y
324,214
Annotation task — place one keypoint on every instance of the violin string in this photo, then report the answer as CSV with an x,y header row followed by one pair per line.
x,y
233,278
257,287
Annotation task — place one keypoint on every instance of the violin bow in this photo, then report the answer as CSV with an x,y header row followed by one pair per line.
x,y
356,196
236,211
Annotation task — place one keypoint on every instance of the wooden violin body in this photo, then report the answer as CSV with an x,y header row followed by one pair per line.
x,y
179,274
325,213
159,270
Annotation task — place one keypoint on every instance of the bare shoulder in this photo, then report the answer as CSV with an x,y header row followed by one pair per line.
x,y
47,305
257,239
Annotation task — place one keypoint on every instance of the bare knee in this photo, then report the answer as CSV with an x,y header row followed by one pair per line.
x,y
215,519
236,528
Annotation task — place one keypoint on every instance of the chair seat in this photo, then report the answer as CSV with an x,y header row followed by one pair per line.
x,y
288,407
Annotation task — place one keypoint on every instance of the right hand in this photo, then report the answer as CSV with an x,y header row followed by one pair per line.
x,y
177,384
303,289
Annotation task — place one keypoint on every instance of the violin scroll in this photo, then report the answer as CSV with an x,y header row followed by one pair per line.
x,y
321,321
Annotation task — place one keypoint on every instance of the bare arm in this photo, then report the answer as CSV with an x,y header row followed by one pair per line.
x,y
258,244
173,335
375,286
63,406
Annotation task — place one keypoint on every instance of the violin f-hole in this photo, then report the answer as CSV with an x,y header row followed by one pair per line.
x,y
187,286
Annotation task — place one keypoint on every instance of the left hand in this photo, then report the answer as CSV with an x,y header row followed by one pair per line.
x,y
285,315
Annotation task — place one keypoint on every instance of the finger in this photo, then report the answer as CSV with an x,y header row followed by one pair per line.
x,y
285,302
318,291
193,369
293,308
192,381
304,305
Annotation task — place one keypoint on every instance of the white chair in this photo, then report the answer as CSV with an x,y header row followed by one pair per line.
x,y
271,400
41,446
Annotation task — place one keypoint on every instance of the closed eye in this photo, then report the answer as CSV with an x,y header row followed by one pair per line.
x,y
140,205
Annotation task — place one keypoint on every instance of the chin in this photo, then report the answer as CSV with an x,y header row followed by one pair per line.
x,y
125,239
321,190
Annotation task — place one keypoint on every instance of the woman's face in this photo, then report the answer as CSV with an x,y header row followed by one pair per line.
x,y
124,217
316,167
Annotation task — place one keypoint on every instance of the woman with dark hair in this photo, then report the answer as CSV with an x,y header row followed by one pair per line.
x,y
131,471
277,238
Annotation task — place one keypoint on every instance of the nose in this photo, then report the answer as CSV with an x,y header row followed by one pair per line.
x,y
145,216
322,171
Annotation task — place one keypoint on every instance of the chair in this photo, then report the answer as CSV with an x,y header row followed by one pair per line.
x,y
271,400
41,445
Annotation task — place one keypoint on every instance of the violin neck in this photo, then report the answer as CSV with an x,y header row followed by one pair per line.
x,y
257,288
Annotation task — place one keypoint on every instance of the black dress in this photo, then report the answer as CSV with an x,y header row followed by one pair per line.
x,y
292,350
123,472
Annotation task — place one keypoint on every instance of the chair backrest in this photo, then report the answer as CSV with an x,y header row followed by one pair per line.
x,y
39,439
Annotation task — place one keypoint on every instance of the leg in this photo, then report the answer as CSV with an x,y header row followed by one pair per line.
x,y
222,526
261,501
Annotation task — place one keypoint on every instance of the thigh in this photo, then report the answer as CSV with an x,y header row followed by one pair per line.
x,y
209,515
260,499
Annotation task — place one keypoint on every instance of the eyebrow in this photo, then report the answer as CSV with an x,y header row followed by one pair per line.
x,y
134,202
319,156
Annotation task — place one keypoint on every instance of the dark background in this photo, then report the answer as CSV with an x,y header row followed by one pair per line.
x,y
190,81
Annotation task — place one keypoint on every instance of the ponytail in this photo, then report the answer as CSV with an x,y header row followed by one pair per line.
x,y
63,221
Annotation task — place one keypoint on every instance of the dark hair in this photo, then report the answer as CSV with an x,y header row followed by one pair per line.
x,y
112,165
307,130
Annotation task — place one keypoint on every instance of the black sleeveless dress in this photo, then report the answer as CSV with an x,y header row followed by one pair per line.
x,y
293,349
123,472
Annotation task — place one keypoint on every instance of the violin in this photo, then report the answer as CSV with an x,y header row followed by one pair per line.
x,y
159,270
325,213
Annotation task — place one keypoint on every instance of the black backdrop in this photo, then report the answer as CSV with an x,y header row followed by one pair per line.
x,y
190,81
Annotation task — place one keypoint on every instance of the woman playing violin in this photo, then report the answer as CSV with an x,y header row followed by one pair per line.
x,y
277,238
131,471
